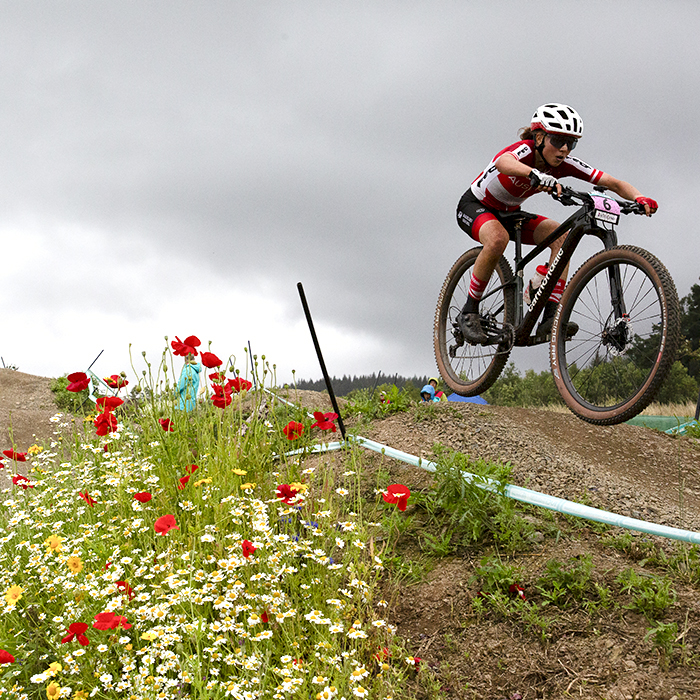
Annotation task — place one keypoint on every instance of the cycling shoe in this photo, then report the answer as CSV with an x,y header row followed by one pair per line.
x,y
544,330
470,327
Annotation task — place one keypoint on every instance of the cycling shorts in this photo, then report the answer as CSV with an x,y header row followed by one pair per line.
x,y
472,214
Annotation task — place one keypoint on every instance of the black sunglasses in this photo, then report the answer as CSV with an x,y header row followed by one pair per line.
x,y
559,141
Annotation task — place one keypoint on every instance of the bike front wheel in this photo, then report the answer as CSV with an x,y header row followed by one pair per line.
x,y
471,369
626,306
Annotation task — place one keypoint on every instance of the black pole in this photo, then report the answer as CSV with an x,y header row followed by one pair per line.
x,y
252,365
374,388
697,409
95,360
326,378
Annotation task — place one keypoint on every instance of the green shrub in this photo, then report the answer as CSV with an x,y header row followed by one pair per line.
x,y
385,400
70,401
512,389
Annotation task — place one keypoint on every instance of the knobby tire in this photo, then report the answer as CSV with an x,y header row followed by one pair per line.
x,y
474,368
612,369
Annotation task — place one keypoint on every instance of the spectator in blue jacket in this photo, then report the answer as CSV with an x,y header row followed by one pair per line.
x,y
188,386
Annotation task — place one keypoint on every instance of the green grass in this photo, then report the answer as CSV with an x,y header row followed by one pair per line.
x,y
248,596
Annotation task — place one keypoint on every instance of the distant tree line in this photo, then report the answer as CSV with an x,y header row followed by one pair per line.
x,y
342,386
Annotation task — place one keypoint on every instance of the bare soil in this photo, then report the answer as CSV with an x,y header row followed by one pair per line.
x,y
464,654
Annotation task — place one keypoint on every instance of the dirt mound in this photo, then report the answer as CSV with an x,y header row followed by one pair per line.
x,y
26,404
630,470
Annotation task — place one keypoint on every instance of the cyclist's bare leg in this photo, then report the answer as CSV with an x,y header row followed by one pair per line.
x,y
540,233
494,239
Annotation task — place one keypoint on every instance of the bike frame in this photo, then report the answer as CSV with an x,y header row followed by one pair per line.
x,y
577,225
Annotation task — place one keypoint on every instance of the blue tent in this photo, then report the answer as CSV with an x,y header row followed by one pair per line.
x,y
467,399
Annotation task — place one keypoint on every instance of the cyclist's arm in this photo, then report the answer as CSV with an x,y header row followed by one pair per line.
x,y
624,189
508,164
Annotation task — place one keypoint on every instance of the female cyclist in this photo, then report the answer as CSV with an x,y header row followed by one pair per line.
x,y
533,164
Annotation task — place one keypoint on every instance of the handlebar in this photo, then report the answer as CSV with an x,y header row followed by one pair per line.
x,y
570,197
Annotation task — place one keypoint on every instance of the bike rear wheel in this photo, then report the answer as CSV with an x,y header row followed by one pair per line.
x,y
614,366
471,369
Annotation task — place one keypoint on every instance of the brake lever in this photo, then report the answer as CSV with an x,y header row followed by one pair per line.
x,y
565,198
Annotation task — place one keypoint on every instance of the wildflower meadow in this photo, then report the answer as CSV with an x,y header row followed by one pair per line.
x,y
149,552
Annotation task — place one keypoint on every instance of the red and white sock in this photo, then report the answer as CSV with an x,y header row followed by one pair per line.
x,y
477,288
558,290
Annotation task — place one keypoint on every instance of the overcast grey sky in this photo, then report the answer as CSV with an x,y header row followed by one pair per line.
x,y
175,168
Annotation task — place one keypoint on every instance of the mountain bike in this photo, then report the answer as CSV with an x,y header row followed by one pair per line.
x,y
622,298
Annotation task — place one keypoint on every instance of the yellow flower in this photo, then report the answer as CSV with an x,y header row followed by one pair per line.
x,y
249,486
240,472
35,449
149,636
89,419
80,695
53,690
202,481
53,543
74,564
55,668
299,487
14,593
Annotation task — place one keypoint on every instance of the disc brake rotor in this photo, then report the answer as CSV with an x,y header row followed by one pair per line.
x,y
617,337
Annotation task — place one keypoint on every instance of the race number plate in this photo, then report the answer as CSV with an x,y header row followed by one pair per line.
x,y
606,209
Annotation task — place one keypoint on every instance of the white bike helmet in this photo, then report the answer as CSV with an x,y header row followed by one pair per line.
x,y
556,118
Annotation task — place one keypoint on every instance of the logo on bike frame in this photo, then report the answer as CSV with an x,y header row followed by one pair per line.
x,y
546,278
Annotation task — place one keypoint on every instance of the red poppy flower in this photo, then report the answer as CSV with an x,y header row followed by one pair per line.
x,y
382,654
88,499
17,456
248,548
238,384
105,423
221,397
397,493
183,482
515,588
126,589
218,377
22,481
264,617
286,493
143,497
109,403
77,381
115,381
6,657
110,621
324,421
210,360
191,468
221,401
165,524
77,631
188,347
293,430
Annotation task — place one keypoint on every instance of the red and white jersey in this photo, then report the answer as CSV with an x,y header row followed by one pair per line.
x,y
508,192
